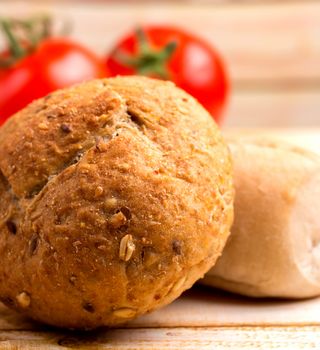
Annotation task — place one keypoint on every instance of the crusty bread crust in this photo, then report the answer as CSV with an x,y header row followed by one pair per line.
x,y
116,196
273,249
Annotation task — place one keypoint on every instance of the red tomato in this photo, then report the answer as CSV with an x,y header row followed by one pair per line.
x,y
170,53
55,63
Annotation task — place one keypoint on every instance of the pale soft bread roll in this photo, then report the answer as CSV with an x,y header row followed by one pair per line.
x,y
274,249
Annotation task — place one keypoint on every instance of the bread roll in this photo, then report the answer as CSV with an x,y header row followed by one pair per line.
x,y
273,249
116,196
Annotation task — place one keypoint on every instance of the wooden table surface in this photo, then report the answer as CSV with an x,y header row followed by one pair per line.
x,y
202,318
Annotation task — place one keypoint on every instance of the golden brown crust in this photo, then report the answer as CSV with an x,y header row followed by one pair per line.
x,y
121,198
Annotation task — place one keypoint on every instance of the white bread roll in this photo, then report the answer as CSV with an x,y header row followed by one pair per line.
x,y
274,247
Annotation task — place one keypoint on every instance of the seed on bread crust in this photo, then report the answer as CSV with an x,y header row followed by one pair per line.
x,y
124,312
98,191
126,248
23,300
177,286
110,203
65,128
88,307
43,126
12,227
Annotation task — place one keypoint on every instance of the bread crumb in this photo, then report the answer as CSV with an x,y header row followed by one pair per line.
x,y
117,220
124,166
85,168
101,146
73,279
111,202
43,126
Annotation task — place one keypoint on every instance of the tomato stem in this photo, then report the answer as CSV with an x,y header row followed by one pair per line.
x,y
15,48
23,36
142,41
147,60
46,27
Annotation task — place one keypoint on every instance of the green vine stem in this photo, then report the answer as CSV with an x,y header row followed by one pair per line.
x,y
148,61
23,36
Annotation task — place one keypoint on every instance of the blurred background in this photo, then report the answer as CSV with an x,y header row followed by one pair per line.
x,y
271,48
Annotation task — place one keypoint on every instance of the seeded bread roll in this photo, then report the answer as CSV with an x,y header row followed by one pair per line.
x,y
273,249
116,196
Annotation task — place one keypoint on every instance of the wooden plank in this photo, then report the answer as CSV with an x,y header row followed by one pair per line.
x,y
203,307
271,41
273,109
218,338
